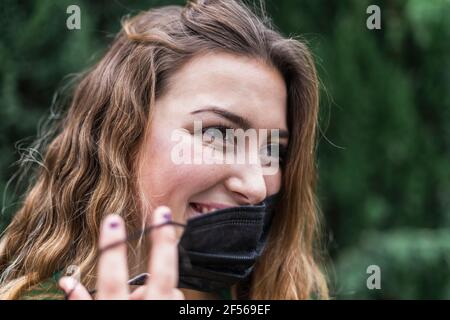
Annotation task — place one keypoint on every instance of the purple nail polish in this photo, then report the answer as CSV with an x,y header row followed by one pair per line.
x,y
113,225
167,216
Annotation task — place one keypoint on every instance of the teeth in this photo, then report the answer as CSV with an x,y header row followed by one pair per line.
x,y
203,209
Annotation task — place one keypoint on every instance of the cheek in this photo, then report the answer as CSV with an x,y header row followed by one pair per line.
x,y
167,174
273,182
165,182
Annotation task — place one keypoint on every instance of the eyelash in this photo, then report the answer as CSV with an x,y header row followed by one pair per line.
x,y
223,127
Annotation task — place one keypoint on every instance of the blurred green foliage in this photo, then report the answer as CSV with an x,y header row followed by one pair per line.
x,y
384,151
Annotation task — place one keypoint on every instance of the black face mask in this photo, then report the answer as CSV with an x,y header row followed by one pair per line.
x,y
220,249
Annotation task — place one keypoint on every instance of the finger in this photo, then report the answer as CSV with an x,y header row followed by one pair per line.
x,y
73,289
163,264
112,267
139,293
177,294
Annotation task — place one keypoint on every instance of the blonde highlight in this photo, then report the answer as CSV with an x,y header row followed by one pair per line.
x,y
91,164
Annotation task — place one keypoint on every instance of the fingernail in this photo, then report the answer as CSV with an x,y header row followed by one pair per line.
x,y
113,224
113,221
167,216
68,284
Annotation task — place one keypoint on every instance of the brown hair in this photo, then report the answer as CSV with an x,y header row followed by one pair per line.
x,y
90,166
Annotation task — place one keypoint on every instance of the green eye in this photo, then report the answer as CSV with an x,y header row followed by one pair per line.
x,y
218,134
273,152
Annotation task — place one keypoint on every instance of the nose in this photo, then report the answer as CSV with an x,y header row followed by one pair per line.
x,y
247,184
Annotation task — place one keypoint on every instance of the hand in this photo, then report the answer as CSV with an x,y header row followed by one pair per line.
x,y
113,270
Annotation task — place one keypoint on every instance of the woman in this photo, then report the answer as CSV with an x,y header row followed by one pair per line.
x,y
109,170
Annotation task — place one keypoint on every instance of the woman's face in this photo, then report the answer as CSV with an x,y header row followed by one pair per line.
x,y
219,90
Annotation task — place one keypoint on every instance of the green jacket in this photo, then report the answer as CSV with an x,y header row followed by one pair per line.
x,y
49,290
45,290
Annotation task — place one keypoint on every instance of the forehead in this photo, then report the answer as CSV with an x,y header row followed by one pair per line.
x,y
242,85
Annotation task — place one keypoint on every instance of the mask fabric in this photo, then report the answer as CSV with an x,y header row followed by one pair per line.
x,y
219,249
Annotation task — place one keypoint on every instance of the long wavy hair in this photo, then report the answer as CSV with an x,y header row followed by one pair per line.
x,y
90,165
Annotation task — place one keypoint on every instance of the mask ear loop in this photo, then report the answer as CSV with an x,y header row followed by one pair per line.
x,y
141,278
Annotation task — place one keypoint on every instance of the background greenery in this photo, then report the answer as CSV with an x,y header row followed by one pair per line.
x,y
384,152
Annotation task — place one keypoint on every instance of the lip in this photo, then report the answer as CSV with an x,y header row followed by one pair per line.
x,y
214,205
192,212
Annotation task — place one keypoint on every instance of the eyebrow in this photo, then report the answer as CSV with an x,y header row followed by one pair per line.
x,y
238,120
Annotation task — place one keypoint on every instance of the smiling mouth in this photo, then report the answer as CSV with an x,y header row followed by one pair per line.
x,y
202,208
